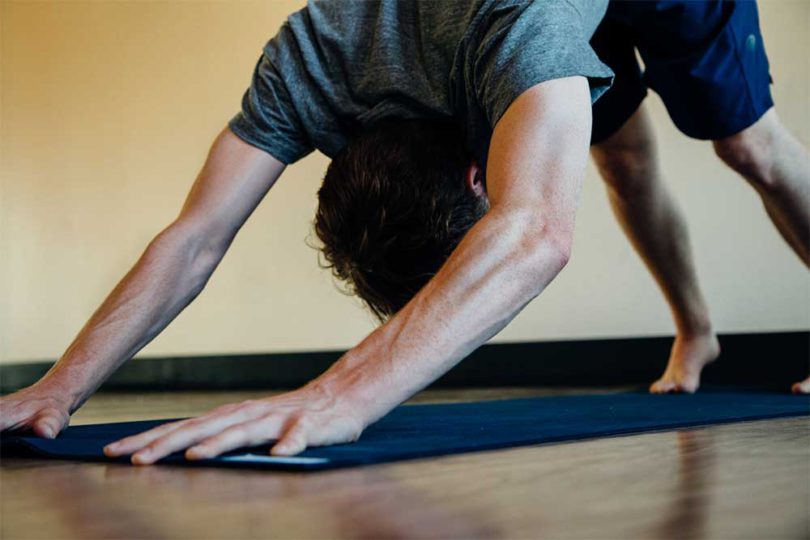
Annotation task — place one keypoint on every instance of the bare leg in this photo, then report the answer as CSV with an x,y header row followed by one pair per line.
x,y
770,158
651,220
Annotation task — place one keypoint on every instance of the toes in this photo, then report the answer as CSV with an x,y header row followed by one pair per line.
x,y
802,387
673,387
664,387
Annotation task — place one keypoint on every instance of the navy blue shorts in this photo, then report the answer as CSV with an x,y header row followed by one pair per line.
x,y
706,60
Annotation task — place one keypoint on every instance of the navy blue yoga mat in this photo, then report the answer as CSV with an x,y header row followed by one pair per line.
x,y
417,431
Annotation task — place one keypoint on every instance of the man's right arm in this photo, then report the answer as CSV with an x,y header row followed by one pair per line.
x,y
172,271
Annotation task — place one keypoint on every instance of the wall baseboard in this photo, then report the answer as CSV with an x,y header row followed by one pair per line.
x,y
763,359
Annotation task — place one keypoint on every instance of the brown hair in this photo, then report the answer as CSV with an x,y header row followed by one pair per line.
x,y
392,207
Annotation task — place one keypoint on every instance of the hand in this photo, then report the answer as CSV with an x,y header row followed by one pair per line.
x,y
40,409
296,420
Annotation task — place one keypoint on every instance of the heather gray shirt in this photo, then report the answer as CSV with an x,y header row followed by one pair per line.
x,y
336,66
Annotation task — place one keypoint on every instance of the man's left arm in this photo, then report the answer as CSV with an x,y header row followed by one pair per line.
x,y
535,170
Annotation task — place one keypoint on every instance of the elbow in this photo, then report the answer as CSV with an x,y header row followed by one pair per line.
x,y
561,246
544,248
194,255
551,254
544,261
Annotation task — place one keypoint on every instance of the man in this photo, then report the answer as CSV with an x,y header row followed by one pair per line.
x,y
459,134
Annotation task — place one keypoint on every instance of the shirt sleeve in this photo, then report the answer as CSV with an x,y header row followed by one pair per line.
x,y
268,119
527,43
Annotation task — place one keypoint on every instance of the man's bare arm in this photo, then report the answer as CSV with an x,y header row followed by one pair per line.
x,y
172,271
535,171
536,166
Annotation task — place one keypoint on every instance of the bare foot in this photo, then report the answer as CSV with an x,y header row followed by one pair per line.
x,y
686,361
802,387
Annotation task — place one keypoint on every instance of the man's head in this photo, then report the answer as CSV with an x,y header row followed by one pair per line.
x,y
393,205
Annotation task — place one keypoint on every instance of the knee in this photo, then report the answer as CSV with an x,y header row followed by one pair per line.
x,y
750,153
627,170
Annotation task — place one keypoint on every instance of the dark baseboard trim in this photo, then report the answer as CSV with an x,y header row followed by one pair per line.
x,y
767,359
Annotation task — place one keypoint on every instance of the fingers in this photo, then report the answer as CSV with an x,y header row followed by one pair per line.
x,y
294,425
13,419
43,421
292,442
128,445
49,422
251,433
150,446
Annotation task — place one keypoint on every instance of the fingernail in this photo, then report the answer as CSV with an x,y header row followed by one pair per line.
x,y
47,432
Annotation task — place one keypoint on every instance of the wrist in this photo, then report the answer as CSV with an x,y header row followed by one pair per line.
x,y
342,388
62,388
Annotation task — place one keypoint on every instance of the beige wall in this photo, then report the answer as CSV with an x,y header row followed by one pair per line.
x,y
109,107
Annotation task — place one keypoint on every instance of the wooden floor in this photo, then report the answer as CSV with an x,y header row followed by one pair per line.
x,y
746,480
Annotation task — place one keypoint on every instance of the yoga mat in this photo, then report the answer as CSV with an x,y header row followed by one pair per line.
x,y
419,431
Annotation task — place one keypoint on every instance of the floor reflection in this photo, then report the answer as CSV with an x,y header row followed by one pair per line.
x,y
117,500
688,512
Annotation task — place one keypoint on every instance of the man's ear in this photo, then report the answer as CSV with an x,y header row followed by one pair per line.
x,y
474,180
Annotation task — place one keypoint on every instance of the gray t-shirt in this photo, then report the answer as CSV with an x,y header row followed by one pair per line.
x,y
336,66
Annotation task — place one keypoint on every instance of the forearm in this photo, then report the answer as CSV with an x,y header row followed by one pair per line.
x,y
507,259
168,276
171,272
